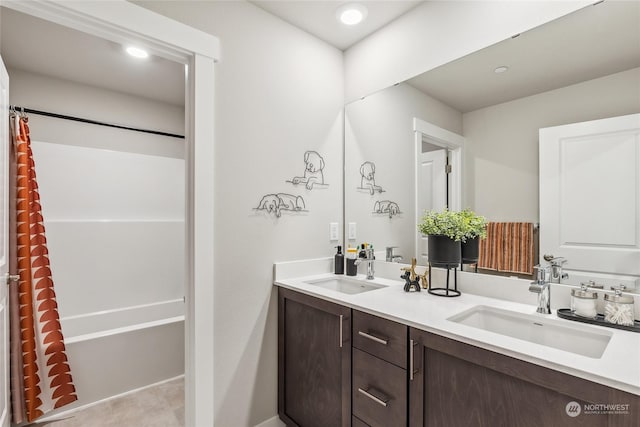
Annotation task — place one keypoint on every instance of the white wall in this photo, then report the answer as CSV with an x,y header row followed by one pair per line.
x,y
501,152
41,92
113,208
438,32
379,129
279,93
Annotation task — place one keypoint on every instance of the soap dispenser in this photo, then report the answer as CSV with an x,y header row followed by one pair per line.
x,y
339,261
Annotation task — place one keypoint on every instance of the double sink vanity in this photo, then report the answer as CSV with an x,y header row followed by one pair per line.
x,y
365,353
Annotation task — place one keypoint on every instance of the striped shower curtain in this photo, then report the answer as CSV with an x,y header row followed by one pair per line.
x,y
40,373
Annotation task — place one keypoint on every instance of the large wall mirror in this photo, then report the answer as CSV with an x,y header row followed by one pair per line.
x,y
492,103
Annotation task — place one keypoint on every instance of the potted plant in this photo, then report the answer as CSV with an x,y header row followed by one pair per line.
x,y
453,236
445,231
475,227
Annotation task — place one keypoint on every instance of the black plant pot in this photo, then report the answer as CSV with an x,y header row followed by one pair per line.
x,y
470,251
444,251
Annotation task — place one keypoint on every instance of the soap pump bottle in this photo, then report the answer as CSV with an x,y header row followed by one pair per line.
x,y
339,261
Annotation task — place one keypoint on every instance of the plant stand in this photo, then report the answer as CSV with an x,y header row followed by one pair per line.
x,y
446,291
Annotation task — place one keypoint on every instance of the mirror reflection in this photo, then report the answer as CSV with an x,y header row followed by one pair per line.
x,y
481,115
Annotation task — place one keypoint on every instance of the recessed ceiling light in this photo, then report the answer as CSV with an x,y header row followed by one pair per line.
x,y
136,52
501,69
351,14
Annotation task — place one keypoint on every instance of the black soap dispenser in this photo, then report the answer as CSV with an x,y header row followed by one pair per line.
x,y
339,261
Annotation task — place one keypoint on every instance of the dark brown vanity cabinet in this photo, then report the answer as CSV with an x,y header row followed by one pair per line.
x,y
457,384
340,367
314,361
379,389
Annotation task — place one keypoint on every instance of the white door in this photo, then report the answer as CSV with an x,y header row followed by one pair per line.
x,y
4,245
432,192
590,195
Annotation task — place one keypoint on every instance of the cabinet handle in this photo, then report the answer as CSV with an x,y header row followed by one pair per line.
x,y
341,317
381,401
412,344
373,338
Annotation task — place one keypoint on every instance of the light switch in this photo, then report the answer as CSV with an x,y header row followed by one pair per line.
x,y
333,231
352,231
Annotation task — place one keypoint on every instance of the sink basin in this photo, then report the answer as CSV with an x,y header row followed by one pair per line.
x,y
344,285
536,329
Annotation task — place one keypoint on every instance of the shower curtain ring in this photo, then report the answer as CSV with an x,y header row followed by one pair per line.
x,y
12,278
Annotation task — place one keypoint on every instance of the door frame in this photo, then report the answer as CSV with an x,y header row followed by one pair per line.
x,y
123,22
454,143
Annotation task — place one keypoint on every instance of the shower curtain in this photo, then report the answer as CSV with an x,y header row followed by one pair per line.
x,y
40,373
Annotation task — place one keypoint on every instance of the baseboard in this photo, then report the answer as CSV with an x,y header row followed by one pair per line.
x,y
271,422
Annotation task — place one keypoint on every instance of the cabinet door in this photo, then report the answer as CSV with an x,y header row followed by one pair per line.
x,y
458,384
314,361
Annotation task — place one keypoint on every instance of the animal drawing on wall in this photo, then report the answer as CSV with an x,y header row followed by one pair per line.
x,y
277,203
368,178
386,207
313,176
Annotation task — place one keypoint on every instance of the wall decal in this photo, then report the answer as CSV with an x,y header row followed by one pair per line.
x,y
278,202
368,178
313,175
386,207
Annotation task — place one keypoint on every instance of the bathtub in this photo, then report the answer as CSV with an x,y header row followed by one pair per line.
x,y
118,351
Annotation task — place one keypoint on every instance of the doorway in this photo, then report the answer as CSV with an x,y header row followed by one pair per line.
x,y
438,172
121,22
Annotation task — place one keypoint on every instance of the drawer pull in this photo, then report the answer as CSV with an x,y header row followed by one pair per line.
x,y
412,344
341,319
373,338
381,401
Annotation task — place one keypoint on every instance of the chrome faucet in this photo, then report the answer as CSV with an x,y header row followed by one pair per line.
x,y
556,268
369,258
390,256
541,287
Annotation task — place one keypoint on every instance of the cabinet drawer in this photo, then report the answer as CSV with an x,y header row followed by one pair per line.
x,y
379,391
380,337
356,422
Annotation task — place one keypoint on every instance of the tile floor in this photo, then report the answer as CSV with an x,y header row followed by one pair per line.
x,y
158,406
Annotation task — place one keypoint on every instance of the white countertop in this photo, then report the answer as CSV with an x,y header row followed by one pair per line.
x,y
619,366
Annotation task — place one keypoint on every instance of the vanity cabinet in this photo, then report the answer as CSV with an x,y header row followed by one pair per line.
x,y
314,361
342,367
458,384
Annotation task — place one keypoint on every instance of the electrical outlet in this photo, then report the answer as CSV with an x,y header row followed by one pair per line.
x,y
352,231
333,231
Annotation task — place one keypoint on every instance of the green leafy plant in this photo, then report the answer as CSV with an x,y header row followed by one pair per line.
x,y
474,225
458,226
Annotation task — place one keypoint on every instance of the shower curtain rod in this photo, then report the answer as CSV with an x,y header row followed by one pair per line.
x,y
92,122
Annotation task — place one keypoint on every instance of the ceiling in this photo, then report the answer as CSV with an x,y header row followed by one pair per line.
x,y
319,17
33,44
593,42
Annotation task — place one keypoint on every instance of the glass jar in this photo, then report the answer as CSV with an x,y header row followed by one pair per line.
x,y
583,302
618,308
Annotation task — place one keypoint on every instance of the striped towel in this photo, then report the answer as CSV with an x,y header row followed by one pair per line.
x,y
508,248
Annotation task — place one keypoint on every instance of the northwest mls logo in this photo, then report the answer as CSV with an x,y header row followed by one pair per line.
x,y
573,409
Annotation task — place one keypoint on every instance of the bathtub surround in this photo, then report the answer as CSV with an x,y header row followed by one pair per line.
x,y
116,236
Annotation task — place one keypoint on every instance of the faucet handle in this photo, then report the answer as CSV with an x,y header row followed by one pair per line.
x,y
541,273
556,261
